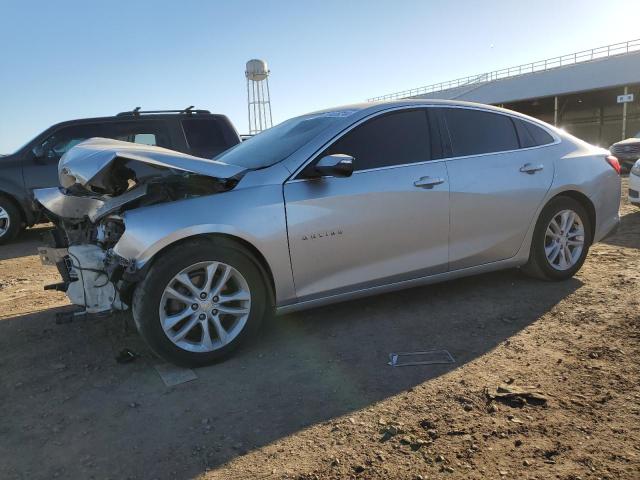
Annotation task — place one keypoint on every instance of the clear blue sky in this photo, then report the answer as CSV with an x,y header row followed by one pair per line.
x,y
70,59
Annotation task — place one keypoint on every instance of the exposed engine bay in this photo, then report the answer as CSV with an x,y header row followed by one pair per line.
x,y
102,179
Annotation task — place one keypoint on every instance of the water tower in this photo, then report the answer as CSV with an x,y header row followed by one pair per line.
x,y
258,99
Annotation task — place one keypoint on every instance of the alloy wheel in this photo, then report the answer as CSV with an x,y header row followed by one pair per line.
x,y
205,306
564,240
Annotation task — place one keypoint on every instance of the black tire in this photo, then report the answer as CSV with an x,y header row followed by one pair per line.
x,y
538,265
148,294
14,220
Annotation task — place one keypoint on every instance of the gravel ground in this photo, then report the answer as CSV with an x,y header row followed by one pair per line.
x,y
314,398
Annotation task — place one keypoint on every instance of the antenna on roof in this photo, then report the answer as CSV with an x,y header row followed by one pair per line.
x,y
186,110
136,110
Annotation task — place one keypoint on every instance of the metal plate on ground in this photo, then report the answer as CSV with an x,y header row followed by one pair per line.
x,y
172,375
427,357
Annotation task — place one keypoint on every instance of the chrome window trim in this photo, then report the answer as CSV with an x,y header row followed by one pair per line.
x,y
554,135
388,167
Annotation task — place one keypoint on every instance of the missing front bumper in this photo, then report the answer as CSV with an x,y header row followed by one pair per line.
x,y
86,280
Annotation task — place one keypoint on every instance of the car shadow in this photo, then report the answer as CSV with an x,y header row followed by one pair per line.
x,y
25,244
628,233
70,410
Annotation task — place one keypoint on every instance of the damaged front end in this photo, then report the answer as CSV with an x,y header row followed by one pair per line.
x,y
101,179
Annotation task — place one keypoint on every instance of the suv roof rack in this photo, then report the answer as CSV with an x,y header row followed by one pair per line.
x,y
186,111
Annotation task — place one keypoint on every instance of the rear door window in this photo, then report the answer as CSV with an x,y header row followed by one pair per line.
x,y
396,138
474,132
146,132
205,137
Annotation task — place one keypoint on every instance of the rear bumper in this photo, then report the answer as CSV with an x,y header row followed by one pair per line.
x,y
607,229
606,200
611,232
633,194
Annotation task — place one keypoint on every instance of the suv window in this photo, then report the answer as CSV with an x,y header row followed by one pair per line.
x,y
204,137
144,132
149,133
396,138
68,137
474,132
531,135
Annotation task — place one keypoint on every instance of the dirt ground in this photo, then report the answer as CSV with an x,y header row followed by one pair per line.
x,y
313,397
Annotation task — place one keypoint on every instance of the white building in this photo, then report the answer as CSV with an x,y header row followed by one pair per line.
x,y
578,92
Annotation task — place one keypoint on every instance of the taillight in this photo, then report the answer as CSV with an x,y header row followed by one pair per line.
x,y
613,161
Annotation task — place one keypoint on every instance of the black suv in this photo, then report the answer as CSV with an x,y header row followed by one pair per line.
x,y
196,132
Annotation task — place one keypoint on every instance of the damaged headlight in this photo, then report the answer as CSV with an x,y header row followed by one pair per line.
x,y
109,231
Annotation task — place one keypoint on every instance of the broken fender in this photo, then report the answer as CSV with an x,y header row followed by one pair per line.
x,y
69,207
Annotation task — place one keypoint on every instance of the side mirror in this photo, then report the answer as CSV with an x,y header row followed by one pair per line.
x,y
336,165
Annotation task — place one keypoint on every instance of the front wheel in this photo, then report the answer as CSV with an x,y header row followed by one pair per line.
x,y
561,240
200,301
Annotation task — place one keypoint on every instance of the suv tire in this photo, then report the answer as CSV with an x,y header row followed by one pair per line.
x,y
10,220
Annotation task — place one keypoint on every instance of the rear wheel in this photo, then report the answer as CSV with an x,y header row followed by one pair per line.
x,y
561,240
10,220
200,301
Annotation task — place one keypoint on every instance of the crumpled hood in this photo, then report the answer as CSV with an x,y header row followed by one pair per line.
x,y
88,163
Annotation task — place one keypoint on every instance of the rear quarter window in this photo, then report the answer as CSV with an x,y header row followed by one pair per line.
x,y
531,135
206,137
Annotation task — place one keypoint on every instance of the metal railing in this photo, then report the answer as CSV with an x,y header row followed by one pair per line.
x,y
527,68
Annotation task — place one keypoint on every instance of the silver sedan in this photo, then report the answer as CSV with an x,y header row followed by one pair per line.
x,y
322,208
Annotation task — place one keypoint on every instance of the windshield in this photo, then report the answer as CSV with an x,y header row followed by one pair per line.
x,y
277,143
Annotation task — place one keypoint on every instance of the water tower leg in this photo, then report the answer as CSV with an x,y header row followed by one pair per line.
x,y
249,106
259,102
261,105
265,99
269,97
255,119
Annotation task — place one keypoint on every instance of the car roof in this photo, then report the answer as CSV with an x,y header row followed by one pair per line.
x,y
127,117
383,105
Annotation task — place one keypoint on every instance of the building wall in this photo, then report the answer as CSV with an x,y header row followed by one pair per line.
x,y
587,96
594,75
594,116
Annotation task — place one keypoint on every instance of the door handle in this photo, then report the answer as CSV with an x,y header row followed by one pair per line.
x,y
428,182
530,168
